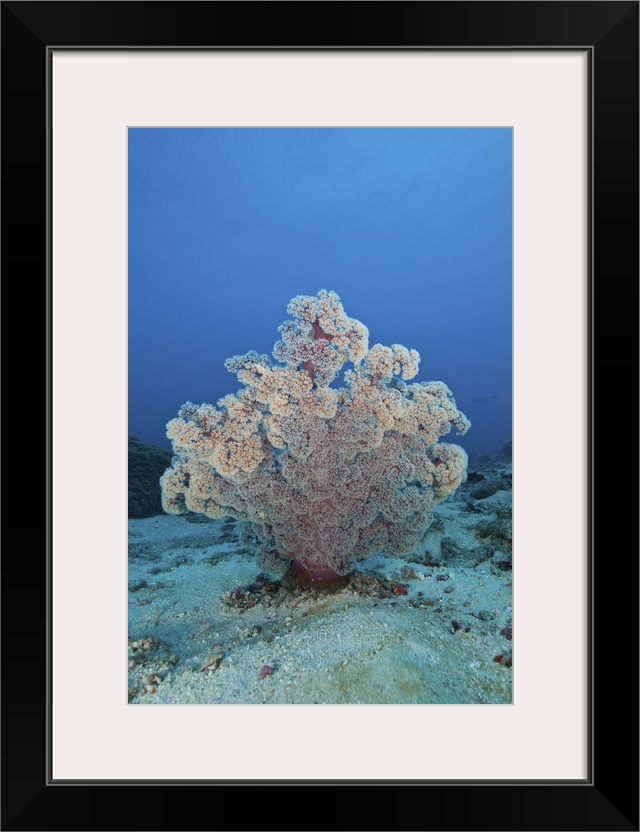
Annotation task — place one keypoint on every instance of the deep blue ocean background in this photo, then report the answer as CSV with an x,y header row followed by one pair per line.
x,y
411,227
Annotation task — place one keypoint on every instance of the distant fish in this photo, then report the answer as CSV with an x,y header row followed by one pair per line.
x,y
484,399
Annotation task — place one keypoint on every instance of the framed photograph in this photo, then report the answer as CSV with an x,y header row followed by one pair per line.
x,y
435,214
337,546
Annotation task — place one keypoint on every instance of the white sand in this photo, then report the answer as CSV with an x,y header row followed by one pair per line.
x,y
340,648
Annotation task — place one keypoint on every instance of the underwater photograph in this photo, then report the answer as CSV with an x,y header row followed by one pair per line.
x,y
320,416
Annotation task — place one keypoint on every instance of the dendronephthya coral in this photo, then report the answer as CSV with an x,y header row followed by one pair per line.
x,y
324,475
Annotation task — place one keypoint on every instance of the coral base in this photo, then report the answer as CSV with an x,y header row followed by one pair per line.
x,y
304,575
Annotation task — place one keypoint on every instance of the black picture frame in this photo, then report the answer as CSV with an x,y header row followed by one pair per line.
x,y
608,798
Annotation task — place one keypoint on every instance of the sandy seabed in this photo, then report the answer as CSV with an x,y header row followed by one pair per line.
x,y
206,627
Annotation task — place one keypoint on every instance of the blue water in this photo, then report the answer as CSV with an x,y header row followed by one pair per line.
x,y
411,227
